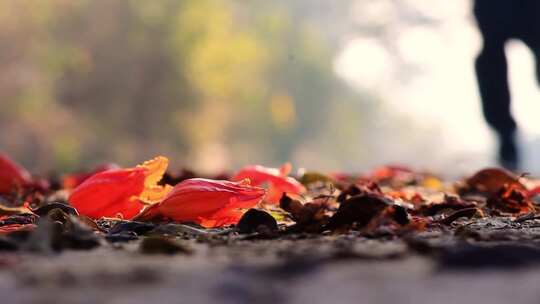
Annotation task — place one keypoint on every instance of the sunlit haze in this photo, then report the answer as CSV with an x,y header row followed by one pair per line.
x,y
427,73
327,85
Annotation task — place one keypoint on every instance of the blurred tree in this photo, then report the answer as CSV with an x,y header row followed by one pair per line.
x,y
210,83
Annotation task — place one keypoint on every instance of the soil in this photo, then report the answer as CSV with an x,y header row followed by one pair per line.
x,y
493,260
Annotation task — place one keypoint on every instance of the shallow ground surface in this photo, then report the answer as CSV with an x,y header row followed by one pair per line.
x,y
391,236
484,261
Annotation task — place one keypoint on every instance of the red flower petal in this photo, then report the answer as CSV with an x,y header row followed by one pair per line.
x,y
277,180
71,181
389,172
211,203
535,191
12,175
121,192
221,218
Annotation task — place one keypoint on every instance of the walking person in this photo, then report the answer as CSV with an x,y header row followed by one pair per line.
x,y
499,21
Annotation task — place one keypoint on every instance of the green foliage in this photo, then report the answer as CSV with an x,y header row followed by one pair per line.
x,y
211,83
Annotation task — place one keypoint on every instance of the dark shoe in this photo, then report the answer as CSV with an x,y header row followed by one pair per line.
x,y
508,153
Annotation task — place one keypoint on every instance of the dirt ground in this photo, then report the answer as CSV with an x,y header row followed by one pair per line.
x,y
395,236
480,261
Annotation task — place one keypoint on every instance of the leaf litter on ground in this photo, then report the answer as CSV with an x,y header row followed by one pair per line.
x,y
163,211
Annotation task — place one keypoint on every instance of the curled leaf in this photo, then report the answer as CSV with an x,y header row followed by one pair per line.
x,y
466,212
304,214
257,221
121,192
8,211
511,199
210,203
277,179
359,210
491,180
449,202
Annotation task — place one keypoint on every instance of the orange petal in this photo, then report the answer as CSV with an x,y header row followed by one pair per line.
x,y
121,192
155,169
274,194
12,175
285,169
221,218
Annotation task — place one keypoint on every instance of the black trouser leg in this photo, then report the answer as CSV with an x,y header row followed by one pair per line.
x,y
492,75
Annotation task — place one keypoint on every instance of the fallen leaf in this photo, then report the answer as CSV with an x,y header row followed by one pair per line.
x,y
511,199
8,211
467,213
491,180
309,217
72,181
121,193
277,179
257,221
45,209
210,203
449,202
12,176
368,187
359,210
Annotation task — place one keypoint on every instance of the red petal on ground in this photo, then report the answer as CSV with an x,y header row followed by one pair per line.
x,y
110,193
211,203
511,199
221,218
12,175
277,180
533,192
122,192
389,172
72,181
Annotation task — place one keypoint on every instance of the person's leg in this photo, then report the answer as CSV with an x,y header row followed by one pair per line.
x,y
495,25
492,76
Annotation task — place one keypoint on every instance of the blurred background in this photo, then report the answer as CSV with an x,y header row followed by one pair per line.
x,y
216,84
